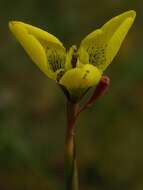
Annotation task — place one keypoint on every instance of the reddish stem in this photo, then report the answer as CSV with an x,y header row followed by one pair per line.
x,y
99,91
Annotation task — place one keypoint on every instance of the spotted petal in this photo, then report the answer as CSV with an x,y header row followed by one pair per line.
x,y
44,49
102,45
78,80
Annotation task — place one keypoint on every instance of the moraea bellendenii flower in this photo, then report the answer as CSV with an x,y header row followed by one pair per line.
x,y
77,69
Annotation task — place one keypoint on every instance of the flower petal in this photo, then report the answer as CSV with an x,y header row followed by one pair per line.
x,y
103,44
40,34
44,49
78,80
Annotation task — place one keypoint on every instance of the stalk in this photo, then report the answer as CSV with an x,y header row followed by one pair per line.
x,y
71,173
73,111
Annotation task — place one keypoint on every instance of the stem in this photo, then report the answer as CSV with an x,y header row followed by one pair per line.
x,y
70,149
73,111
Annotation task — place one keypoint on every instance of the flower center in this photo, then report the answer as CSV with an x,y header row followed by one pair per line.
x,y
74,59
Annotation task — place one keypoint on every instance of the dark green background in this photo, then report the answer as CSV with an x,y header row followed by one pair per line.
x,y
32,107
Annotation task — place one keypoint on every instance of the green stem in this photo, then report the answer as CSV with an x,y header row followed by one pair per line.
x,y
70,149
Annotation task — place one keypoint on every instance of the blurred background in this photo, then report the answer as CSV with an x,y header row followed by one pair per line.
x,y
32,107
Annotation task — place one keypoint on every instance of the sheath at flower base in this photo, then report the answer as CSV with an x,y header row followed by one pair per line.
x,y
76,69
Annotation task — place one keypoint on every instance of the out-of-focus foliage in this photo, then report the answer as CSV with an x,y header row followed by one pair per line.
x,y
32,108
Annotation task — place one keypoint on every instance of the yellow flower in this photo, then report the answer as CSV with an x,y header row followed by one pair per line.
x,y
77,69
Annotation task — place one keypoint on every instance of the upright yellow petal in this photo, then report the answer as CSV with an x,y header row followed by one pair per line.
x,y
115,32
44,49
116,41
43,36
112,25
103,44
